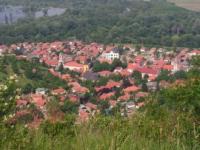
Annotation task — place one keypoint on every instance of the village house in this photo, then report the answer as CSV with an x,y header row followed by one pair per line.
x,y
194,52
38,100
59,91
105,73
131,89
152,73
76,66
41,91
113,54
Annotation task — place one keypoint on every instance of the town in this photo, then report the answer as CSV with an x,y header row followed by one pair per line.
x,y
101,78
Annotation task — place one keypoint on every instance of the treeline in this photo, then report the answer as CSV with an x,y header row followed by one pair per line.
x,y
112,21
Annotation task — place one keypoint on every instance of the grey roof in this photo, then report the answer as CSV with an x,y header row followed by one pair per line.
x,y
91,76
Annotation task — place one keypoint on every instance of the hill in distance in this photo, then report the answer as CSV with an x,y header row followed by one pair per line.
x,y
154,22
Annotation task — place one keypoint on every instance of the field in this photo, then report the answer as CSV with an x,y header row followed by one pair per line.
x,y
188,4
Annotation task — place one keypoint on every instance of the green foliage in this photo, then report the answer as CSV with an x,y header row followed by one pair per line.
x,y
97,67
31,74
170,120
69,107
7,97
151,23
101,66
137,77
164,75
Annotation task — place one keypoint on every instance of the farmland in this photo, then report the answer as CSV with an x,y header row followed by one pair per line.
x,y
188,4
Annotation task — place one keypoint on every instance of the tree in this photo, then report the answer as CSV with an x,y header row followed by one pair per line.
x,y
137,77
28,88
180,75
69,107
144,87
8,93
164,75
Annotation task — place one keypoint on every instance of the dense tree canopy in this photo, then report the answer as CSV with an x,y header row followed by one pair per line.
x,y
111,21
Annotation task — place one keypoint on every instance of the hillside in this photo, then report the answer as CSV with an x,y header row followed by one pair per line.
x,y
170,120
31,75
151,23
188,4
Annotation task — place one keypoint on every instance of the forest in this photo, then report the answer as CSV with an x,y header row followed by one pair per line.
x,y
151,23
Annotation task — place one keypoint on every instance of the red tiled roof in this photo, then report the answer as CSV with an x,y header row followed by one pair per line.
x,y
138,59
82,59
104,73
125,72
168,67
73,98
195,51
107,95
112,84
109,85
73,64
51,62
124,97
131,89
76,87
147,71
91,106
58,91
132,66
38,100
65,77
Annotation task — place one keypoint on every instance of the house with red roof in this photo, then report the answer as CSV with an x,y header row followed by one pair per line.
x,y
125,73
59,91
52,63
66,77
73,98
91,106
73,65
194,52
82,59
38,100
106,96
131,67
131,89
148,71
111,84
124,97
168,67
139,59
105,73
77,88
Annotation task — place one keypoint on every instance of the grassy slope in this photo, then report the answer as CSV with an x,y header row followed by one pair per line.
x,y
169,121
